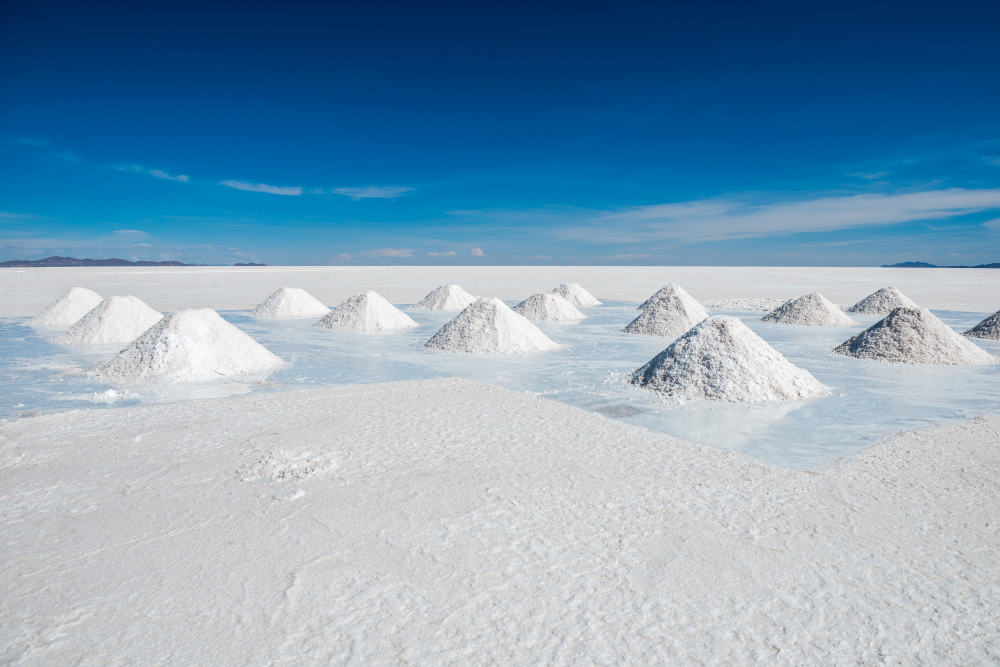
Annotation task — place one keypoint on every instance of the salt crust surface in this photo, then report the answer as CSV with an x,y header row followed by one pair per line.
x,y
288,302
489,326
446,297
812,309
914,336
670,312
881,302
576,295
117,319
549,306
721,359
743,303
190,346
988,328
367,311
67,309
468,524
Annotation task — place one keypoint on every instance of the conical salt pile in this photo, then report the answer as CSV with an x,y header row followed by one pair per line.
x,y
576,295
812,309
116,319
671,290
881,302
190,346
367,311
721,359
67,309
446,297
914,336
668,313
988,328
288,302
550,307
488,326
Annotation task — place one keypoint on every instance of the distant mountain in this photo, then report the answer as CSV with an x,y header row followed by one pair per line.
x,y
925,265
250,264
72,261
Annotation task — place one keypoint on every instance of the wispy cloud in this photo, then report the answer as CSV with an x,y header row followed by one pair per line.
x,y
387,252
992,224
263,187
476,252
871,176
162,174
372,192
450,253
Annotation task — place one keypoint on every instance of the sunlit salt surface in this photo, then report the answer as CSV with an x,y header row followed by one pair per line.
x,y
869,400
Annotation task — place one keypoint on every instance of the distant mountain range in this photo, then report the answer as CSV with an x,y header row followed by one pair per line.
x,y
73,261
925,265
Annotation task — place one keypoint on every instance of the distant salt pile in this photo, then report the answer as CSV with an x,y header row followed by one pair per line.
x,y
190,346
721,359
288,302
881,302
116,319
914,336
67,309
743,303
812,309
488,326
367,311
549,306
988,328
669,313
576,295
446,297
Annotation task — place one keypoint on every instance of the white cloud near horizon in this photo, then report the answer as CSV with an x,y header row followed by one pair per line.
x,y
477,252
263,187
387,252
450,253
372,192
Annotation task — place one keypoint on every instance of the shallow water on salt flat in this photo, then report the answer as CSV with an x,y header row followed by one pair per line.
x,y
869,400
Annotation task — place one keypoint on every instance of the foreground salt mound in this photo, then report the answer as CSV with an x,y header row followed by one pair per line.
x,y
721,359
576,295
669,313
190,346
446,297
67,309
914,336
812,309
368,311
117,319
289,302
881,302
988,328
549,306
488,326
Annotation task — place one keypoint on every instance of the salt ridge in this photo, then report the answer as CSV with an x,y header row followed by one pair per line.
x,y
881,302
445,297
289,302
489,326
367,311
988,328
669,313
576,295
552,307
67,309
812,310
117,319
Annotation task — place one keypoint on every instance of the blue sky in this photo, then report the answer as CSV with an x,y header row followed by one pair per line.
x,y
774,133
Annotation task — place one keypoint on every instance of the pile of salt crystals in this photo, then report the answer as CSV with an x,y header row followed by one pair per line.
x,y
116,319
988,328
812,309
914,336
488,326
576,295
67,309
288,302
721,359
190,346
550,307
367,311
668,313
881,302
446,297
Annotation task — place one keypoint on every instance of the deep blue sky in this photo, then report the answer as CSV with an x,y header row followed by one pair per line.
x,y
587,133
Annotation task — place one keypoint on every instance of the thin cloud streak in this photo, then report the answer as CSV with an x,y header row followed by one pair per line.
x,y
162,174
372,192
263,187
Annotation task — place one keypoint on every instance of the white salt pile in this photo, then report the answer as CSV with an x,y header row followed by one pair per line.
x,y
548,307
67,309
116,319
914,336
190,346
812,309
721,359
669,313
488,326
367,311
288,302
743,303
988,328
576,295
881,302
446,297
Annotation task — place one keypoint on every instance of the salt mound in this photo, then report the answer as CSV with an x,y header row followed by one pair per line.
x,y
367,311
744,303
117,319
488,326
576,295
881,302
67,309
812,309
669,313
988,328
446,297
289,302
548,307
914,336
190,346
721,359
